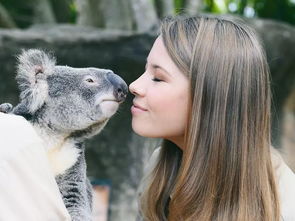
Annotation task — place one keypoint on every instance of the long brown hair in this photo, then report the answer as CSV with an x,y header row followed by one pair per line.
x,y
224,173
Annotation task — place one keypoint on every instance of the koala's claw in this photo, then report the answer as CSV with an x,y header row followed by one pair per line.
x,y
6,107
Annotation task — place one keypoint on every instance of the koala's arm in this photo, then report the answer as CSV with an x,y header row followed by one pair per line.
x,y
20,109
76,191
6,108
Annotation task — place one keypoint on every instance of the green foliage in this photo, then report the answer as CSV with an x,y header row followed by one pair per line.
x,y
215,6
65,11
179,6
283,10
73,12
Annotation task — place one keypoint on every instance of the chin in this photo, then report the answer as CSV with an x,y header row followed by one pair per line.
x,y
144,131
140,129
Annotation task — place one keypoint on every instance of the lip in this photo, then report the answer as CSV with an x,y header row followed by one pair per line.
x,y
136,108
139,107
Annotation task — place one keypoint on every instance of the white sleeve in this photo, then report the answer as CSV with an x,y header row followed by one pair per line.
x,y
286,187
28,190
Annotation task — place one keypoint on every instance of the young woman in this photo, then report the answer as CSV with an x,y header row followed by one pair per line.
x,y
205,91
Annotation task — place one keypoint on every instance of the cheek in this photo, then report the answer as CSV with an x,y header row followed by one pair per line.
x,y
166,117
170,114
169,105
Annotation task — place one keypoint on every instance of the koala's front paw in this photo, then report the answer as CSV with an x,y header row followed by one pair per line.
x,y
6,108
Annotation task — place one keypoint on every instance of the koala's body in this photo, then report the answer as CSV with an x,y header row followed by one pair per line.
x,y
66,106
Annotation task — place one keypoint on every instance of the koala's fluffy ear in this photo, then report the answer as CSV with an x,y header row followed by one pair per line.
x,y
34,66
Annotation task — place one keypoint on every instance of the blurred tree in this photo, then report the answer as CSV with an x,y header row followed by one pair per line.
x,y
23,14
193,6
5,19
116,14
42,12
89,12
164,7
144,14
65,11
26,13
133,14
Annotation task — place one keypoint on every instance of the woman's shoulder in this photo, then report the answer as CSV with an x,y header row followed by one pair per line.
x,y
286,186
152,160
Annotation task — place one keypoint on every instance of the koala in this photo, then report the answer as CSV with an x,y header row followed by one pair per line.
x,y
66,106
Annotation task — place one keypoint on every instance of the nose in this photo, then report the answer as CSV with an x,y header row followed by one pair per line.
x,y
138,86
132,88
120,87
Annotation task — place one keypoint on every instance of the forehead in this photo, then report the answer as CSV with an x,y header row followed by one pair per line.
x,y
159,56
158,52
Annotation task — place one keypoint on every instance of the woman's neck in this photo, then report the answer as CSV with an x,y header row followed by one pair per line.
x,y
179,141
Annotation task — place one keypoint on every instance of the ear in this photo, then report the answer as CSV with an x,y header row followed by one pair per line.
x,y
34,66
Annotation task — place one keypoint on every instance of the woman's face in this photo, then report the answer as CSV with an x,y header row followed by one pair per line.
x,y
160,105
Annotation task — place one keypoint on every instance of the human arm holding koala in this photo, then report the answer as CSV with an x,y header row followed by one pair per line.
x,y
27,186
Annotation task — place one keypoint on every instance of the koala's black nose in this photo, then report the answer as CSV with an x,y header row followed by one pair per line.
x,y
120,87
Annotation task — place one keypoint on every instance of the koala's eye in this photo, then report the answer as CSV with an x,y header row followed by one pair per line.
x,y
90,80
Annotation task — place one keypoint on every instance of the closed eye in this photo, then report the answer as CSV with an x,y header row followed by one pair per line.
x,y
157,80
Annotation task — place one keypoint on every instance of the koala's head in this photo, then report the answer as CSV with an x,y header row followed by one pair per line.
x,y
63,98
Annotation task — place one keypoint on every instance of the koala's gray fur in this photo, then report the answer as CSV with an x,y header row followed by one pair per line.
x,y
66,106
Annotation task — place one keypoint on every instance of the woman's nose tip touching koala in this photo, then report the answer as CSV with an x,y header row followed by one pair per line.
x,y
66,106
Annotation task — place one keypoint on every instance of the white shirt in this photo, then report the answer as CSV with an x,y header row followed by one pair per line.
x,y
28,190
286,187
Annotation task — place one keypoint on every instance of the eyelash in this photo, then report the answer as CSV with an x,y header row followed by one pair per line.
x,y
157,80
